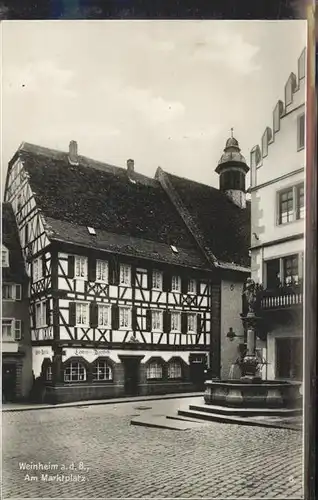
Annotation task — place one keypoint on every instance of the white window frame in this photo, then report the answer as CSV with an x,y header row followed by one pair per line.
x,y
7,322
178,315
4,256
125,275
295,210
176,284
37,271
40,321
157,321
77,314
70,368
189,330
16,292
80,267
157,280
129,318
192,290
105,307
15,329
152,370
96,371
102,271
173,364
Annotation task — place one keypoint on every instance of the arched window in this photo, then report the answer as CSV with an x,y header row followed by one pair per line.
x,y
75,372
48,373
174,369
102,371
154,370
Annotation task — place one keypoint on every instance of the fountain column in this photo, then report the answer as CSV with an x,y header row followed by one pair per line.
x,y
250,361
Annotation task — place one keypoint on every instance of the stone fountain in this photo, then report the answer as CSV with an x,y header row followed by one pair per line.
x,y
250,391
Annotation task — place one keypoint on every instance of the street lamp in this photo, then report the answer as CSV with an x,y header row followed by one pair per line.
x,y
232,335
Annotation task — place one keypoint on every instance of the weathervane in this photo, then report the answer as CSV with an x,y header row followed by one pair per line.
x,y
232,132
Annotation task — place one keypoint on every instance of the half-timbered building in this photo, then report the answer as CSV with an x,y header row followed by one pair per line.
x,y
134,281
16,345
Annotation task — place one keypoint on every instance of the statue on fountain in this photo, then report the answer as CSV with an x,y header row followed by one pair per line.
x,y
250,295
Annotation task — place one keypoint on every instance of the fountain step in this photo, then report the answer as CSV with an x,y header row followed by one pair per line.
x,y
161,422
278,422
245,412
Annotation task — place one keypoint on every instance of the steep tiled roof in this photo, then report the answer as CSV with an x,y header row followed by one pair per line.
x,y
73,197
224,226
10,239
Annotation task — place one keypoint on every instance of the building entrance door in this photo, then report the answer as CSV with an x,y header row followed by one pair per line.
x,y
289,358
198,368
9,376
131,376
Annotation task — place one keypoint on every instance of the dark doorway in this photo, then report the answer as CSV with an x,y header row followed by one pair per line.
x,y
198,370
272,273
289,358
131,376
9,377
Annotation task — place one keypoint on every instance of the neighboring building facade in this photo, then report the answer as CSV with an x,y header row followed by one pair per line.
x,y
16,341
277,232
126,274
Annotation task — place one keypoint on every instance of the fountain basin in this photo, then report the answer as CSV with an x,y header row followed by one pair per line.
x,y
253,394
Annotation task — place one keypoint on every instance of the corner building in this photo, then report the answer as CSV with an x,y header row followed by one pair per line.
x,y
126,274
277,234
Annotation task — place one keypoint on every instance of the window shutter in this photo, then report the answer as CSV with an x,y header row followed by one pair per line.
x,y
115,317
199,323
184,322
133,276
148,320
21,329
134,318
71,266
48,316
18,294
167,282
72,313
17,329
166,321
33,316
149,279
91,270
114,271
184,285
93,314
43,263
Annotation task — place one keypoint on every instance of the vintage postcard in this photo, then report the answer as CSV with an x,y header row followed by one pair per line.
x,y
153,259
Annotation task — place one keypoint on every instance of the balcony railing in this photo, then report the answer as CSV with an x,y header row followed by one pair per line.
x,y
281,297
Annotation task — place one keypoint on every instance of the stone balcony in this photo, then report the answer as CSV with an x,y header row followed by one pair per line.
x,y
282,297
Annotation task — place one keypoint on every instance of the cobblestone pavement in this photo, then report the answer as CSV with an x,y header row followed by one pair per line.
x,y
212,461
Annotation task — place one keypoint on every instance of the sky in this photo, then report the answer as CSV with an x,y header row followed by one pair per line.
x,y
165,93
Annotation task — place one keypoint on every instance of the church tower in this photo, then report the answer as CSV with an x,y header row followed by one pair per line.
x,y
232,169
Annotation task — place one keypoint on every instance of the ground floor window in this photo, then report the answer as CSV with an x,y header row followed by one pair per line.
x,y
174,369
102,371
289,358
154,370
75,372
48,373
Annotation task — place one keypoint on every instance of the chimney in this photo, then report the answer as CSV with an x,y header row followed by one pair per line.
x,y
130,166
72,153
